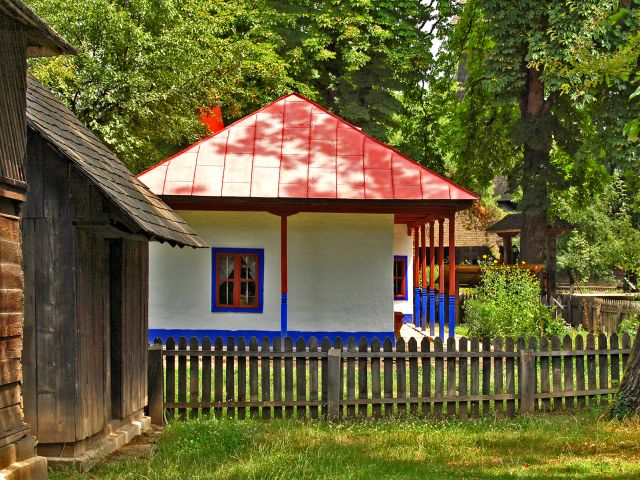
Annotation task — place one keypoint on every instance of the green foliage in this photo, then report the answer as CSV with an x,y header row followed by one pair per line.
x,y
604,237
508,305
630,326
146,66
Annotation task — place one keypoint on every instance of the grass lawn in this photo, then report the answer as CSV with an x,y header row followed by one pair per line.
x,y
558,446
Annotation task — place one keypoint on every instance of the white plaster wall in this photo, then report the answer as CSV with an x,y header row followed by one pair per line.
x,y
403,245
340,273
180,279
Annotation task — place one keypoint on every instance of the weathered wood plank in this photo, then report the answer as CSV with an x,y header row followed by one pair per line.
x,y
591,368
439,378
545,385
182,378
288,376
425,363
376,389
206,374
194,375
556,372
265,374
218,346
498,377
230,377
510,378
388,377
579,372
362,378
324,363
567,344
313,377
603,368
253,377
170,389
401,377
486,375
615,360
351,377
451,378
301,378
242,377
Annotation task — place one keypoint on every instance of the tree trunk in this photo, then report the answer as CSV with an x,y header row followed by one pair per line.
x,y
627,399
534,110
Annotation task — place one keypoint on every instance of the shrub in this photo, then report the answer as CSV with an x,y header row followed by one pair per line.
x,y
508,305
629,325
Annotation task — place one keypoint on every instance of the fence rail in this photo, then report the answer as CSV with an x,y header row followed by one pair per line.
x,y
468,378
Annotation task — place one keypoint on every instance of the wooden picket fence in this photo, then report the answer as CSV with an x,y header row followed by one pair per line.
x,y
468,379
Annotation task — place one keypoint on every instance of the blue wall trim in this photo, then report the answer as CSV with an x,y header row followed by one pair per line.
x,y
408,317
214,288
271,334
406,281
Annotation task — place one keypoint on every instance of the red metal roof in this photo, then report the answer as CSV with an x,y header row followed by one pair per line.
x,y
294,148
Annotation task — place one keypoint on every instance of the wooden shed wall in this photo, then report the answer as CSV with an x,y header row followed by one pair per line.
x,y
74,272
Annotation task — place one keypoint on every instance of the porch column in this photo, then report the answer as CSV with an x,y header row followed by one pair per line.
x,y
507,248
423,265
441,277
452,274
283,276
432,282
416,277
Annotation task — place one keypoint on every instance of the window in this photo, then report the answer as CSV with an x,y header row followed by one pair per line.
x,y
238,275
400,277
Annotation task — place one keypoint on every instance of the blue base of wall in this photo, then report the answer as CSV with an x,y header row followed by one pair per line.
x,y
408,318
260,334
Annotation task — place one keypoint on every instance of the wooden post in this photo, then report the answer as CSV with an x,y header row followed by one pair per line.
x,y
441,277
155,384
508,249
423,264
333,384
283,277
527,381
416,276
452,274
432,282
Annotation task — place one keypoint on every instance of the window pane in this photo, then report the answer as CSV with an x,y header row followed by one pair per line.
x,y
225,293
248,293
248,263
225,266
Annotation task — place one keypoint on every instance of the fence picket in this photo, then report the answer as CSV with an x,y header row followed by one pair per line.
x,y
591,368
413,376
277,377
556,372
580,400
170,386
363,393
475,378
206,374
451,377
301,378
603,368
497,377
265,375
218,346
326,346
253,377
242,377
510,378
486,375
288,376
313,377
545,386
388,377
426,376
439,377
626,344
567,346
230,377
401,377
182,377
351,377
338,345
615,361
376,390
194,376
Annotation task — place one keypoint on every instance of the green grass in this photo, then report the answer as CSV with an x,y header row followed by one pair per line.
x,y
559,446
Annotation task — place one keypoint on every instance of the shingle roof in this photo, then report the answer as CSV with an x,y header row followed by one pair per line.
x,y
43,40
294,148
51,119
513,223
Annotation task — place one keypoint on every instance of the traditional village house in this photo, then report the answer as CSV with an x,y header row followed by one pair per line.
x,y
22,35
86,227
311,223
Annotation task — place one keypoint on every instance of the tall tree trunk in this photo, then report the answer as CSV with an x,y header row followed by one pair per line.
x,y
534,110
627,399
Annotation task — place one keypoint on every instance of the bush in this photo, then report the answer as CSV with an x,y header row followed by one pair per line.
x,y
629,325
508,305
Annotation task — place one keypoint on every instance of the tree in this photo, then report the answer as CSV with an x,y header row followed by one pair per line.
x,y
519,62
146,66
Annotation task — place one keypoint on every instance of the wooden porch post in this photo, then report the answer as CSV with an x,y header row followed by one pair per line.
x,y
441,277
423,264
508,249
283,276
416,276
432,282
452,274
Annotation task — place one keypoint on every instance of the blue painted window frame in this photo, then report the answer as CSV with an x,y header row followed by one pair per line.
x,y
214,288
405,259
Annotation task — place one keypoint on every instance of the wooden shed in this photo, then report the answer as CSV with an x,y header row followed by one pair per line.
x,y
86,227
22,35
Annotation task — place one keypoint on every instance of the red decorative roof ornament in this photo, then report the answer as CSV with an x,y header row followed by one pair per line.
x,y
294,148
